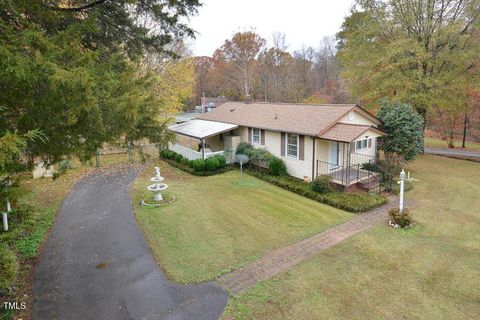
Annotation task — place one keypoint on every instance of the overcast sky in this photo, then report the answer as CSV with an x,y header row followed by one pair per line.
x,y
305,22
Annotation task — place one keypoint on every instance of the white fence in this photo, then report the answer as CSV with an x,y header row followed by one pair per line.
x,y
192,154
186,152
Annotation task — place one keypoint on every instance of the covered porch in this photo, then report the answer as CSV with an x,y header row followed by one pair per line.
x,y
201,139
347,153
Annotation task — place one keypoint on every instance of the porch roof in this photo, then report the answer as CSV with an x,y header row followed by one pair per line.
x,y
201,129
348,132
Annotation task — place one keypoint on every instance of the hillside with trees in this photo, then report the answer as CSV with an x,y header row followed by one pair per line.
x,y
425,54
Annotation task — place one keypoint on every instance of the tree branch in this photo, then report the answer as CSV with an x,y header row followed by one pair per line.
x,y
76,9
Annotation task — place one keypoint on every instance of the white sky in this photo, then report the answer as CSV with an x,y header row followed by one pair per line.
x,y
304,22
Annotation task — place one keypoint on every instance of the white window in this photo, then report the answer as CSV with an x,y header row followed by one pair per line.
x,y
292,145
362,144
256,136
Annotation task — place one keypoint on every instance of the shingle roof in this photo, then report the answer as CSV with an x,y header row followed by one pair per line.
x,y
346,132
303,119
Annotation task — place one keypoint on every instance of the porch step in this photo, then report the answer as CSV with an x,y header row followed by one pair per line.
x,y
370,183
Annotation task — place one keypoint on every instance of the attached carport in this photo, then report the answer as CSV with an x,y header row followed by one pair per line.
x,y
201,130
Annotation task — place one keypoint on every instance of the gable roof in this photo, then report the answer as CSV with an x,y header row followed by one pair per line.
x,y
312,120
347,132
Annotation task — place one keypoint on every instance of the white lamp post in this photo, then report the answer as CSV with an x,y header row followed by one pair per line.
x,y
401,182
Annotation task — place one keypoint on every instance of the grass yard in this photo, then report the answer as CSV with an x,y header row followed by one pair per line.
x,y
439,143
429,272
221,222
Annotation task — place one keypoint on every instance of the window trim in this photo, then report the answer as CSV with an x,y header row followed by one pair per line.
x,y
259,136
297,145
363,144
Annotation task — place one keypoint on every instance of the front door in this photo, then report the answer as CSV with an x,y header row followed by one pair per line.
x,y
333,154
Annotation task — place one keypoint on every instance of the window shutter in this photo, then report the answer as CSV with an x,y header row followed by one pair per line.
x,y
249,135
282,144
262,137
370,142
301,147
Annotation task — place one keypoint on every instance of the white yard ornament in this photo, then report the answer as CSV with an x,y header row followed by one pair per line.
x,y
5,216
401,183
157,187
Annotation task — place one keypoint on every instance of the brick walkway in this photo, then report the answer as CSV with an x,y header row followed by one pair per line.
x,y
283,259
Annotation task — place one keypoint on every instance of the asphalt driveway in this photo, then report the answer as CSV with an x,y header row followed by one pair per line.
x,y
96,264
454,152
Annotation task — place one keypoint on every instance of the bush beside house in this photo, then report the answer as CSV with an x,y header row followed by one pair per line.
x,y
199,167
262,159
352,202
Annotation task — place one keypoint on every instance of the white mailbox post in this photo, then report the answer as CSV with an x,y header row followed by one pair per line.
x,y
401,182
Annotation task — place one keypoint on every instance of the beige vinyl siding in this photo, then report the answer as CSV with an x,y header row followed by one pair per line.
x,y
295,167
242,132
358,118
371,152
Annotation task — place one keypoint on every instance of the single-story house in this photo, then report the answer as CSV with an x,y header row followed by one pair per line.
x,y
312,140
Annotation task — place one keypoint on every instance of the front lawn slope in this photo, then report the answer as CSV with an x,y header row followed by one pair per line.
x,y
429,272
221,222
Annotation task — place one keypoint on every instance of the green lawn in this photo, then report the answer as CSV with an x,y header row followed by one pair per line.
x,y
429,272
439,143
221,222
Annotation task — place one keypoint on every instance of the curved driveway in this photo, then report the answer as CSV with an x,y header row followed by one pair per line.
x,y
96,264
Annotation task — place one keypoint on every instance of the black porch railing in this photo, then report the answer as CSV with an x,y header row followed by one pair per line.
x,y
358,168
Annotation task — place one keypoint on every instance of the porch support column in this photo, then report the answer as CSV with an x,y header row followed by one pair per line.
x,y
202,141
347,175
313,158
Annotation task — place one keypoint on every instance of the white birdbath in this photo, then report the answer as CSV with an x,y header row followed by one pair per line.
x,y
157,187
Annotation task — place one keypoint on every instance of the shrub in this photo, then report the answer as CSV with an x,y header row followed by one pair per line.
x,y
403,219
199,165
244,148
211,164
184,161
8,267
178,157
64,165
190,163
261,155
222,161
322,184
277,167
165,153
404,129
20,214
352,202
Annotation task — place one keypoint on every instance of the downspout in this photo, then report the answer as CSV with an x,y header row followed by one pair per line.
x,y
313,159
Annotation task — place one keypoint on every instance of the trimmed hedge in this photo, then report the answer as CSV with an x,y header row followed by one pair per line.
x,y
276,167
211,166
352,202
